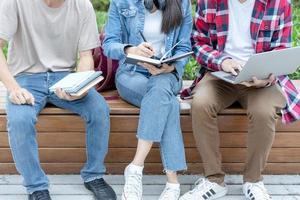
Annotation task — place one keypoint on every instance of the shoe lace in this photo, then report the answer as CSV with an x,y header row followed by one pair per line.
x,y
42,195
201,186
132,186
98,183
259,192
169,193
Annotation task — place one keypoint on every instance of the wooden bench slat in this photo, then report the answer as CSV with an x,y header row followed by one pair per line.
x,y
155,168
69,155
124,123
128,140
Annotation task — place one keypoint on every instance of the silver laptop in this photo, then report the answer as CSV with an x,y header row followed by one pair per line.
x,y
279,62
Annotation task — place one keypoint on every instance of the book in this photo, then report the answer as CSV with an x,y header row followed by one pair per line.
x,y
76,84
135,59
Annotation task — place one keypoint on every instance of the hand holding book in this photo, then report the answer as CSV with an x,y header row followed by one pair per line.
x,y
60,93
165,68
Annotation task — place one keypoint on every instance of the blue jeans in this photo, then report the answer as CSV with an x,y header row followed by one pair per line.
x,y
22,133
159,112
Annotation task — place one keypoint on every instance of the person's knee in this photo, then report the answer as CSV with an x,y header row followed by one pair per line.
x,y
97,110
262,112
162,81
159,95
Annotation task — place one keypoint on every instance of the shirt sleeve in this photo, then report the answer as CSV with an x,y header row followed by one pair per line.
x,y
89,37
204,50
8,19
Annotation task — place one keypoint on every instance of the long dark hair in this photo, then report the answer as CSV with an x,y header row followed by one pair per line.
x,y
172,15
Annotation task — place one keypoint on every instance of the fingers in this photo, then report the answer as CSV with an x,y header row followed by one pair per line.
x,y
247,84
146,49
28,97
255,80
21,97
152,69
232,66
233,72
272,78
14,98
148,45
62,94
259,83
65,96
239,67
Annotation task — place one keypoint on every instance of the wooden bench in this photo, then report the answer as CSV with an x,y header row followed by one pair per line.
x,y
61,138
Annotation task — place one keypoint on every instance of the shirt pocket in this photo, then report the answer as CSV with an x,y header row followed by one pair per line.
x,y
127,12
269,32
129,20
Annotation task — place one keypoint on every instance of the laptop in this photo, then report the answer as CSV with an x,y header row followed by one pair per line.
x,y
278,62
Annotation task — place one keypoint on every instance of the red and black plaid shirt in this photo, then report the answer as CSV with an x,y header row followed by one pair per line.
x,y
271,29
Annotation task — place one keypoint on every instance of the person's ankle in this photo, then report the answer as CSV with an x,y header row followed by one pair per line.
x,y
217,181
172,177
137,163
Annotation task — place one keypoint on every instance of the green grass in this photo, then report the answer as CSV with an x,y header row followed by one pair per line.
x,y
101,19
5,50
296,38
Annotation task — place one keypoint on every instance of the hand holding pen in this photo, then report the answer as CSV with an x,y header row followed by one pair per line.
x,y
144,49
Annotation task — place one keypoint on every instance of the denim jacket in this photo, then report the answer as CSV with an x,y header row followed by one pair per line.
x,y
127,17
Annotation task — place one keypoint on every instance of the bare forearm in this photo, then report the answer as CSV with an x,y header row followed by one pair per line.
x,y
5,76
86,62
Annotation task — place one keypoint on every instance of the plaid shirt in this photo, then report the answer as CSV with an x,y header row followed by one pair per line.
x,y
271,28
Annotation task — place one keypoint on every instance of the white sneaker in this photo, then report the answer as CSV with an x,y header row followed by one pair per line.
x,y
205,190
133,188
256,191
171,192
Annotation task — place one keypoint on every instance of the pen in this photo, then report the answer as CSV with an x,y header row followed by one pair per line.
x,y
142,35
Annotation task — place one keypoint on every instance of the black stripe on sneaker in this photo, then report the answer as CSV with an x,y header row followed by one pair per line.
x,y
208,194
204,196
212,191
251,196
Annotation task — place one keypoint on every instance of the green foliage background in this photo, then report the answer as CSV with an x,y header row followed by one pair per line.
x,y
101,7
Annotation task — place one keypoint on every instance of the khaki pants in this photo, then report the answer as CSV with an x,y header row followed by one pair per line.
x,y
213,95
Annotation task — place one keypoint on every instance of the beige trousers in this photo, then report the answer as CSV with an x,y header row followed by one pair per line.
x,y
213,95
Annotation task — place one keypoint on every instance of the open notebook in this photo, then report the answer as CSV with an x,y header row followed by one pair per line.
x,y
76,84
135,59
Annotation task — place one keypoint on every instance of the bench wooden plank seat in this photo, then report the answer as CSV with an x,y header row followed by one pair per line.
x,y
61,137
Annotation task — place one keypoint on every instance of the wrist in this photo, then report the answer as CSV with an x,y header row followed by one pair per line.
x,y
223,62
13,88
127,49
268,84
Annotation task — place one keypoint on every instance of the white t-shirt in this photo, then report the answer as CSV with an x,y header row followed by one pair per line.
x,y
239,43
152,31
47,39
